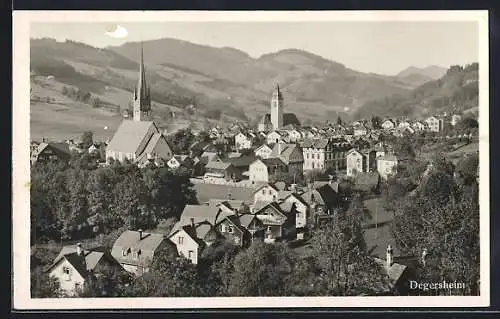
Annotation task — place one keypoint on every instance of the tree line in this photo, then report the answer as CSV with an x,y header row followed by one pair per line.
x,y
81,95
81,200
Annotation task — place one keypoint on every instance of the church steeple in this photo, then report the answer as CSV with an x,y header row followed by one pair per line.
x,y
277,108
142,97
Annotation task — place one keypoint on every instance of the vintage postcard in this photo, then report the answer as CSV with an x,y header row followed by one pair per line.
x,y
250,159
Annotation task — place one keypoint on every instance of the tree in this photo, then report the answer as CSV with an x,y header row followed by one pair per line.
x,y
346,269
43,286
261,270
449,231
87,139
467,168
110,281
376,122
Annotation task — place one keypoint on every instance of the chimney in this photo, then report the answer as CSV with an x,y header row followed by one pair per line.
x,y
140,234
389,256
279,148
424,255
79,249
192,221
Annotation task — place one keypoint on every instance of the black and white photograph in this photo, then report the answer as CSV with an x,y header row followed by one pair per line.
x,y
322,156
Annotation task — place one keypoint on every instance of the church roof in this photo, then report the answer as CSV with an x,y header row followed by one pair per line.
x,y
290,118
129,136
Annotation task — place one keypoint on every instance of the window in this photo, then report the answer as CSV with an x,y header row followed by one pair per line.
x,y
268,228
223,228
77,287
66,270
190,254
180,240
230,229
263,192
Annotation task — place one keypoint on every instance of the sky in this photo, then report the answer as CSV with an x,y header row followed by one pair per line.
x,y
378,47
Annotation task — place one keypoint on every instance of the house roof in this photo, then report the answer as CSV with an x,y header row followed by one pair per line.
x,y
395,271
246,219
272,162
367,178
266,185
202,213
242,161
290,118
86,262
266,119
129,136
218,165
130,239
231,204
315,143
388,157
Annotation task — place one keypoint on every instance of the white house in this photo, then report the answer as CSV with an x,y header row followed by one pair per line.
x,y
388,124
263,151
262,170
243,141
265,194
455,118
275,137
356,162
187,243
360,130
434,124
387,165
418,126
302,209
74,266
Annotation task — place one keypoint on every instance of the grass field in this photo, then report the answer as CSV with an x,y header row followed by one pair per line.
x,y
204,192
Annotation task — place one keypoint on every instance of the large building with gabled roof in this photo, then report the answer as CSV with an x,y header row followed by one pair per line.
x,y
139,140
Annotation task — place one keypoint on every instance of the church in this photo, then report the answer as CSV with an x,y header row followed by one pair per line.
x,y
277,119
139,140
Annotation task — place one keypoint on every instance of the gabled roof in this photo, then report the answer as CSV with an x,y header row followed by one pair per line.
x,y
84,263
218,165
202,213
395,271
388,157
266,185
242,161
367,179
275,206
315,143
129,136
269,162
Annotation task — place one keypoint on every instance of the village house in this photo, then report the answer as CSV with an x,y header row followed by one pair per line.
x,y
434,123
276,137
243,141
291,155
455,118
302,211
360,130
51,151
242,163
241,229
197,148
263,151
263,170
418,126
219,171
387,165
187,243
75,266
317,154
293,133
265,194
135,250
177,161
322,201
399,275
388,124
356,162
278,224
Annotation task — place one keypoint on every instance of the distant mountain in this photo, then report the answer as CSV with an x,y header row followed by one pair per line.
x,y
457,90
219,82
432,72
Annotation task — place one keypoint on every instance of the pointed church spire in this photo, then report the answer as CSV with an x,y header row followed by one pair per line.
x,y
142,98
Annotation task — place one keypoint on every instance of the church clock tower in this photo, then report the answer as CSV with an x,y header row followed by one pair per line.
x,y
277,108
142,96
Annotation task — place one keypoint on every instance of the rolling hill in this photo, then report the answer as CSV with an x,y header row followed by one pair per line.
x,y
456,91
203,84
433,72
